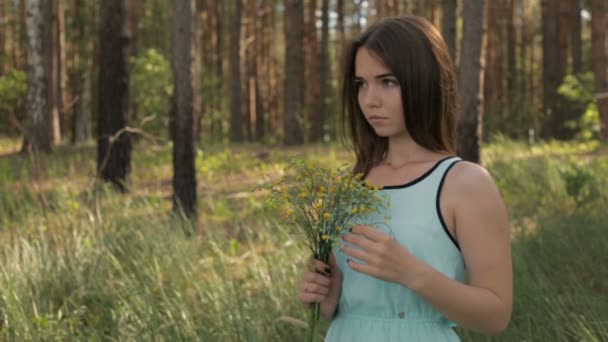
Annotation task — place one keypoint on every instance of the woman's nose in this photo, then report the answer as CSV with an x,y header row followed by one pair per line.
x,y
370,97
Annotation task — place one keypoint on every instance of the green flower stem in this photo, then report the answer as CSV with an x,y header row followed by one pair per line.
x,y
321,253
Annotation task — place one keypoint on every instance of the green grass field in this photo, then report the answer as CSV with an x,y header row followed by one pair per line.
x,y
80,262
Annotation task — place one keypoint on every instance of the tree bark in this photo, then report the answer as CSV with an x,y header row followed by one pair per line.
x,y
599,25
471,81
81,89
448,25
576,36
311,67
114,142
511,53
51,47
184,174
236,96
293,121
493,74
6,36
320,117
552,76
260,109
38,133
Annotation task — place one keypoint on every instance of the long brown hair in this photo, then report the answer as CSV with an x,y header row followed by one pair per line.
x,y
413,49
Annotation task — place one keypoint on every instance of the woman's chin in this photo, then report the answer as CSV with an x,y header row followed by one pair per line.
x,y
384,133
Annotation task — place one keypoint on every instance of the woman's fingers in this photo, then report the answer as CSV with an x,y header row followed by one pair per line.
x,y
309,298
315,288
316,265
312,277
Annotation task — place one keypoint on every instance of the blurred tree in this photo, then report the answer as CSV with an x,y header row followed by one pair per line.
x,y
184,174
448,25
494,96
553,72
311,67
113,139
6,37
511,54
236,91
471,81
38,133
81,73
293,120
320,117
576,36
60,67
599,26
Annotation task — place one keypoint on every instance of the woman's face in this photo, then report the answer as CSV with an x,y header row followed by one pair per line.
x,y
379,95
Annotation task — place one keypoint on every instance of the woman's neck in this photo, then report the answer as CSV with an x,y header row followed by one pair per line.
x,y
403,150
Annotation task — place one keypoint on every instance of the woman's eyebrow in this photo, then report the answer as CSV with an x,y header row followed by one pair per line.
x,y
378,76
385,75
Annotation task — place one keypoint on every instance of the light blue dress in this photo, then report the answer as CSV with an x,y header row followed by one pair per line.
x,y
372,309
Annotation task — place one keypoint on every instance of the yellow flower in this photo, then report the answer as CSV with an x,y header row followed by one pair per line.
x,y
325,237
338,228
353,210
289,211
322,189
303,195
318,205
326,216
361,209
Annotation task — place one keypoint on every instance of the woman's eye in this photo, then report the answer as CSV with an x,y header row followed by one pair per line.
x,y
390,82
359,84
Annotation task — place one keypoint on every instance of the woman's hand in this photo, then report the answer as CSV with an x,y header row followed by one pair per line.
x,y
383,257
322,284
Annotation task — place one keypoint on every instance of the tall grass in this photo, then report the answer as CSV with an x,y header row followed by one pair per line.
x,y
78,265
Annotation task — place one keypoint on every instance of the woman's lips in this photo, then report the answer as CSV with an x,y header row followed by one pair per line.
x,y
377,119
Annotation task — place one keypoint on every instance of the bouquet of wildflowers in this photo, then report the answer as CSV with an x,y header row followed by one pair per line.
x,y
322,203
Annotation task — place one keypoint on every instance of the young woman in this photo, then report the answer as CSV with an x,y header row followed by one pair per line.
x,y
446,258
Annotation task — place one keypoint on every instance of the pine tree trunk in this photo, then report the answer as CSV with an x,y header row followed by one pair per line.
x,y
6,36
448,25
511,53
576,36
471,81
236,96
62,75
81,76
260,120
51,47
184,175
320,118
493,74
552,75
599,25
311,67
249,70
38,133
293,119
114,142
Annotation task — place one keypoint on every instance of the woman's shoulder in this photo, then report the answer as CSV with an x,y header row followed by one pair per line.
x,y
466,177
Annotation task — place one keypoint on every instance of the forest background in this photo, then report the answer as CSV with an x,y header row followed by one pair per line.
x,y
132,132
